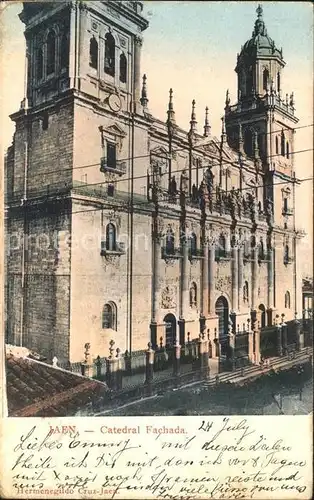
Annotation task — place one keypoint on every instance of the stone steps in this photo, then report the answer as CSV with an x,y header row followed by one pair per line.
x,y
240,375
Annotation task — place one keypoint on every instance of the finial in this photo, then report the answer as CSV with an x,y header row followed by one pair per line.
x,y
227,102
292,100
206,125
171,114
223,131
259,11
259,28
193,121
144,98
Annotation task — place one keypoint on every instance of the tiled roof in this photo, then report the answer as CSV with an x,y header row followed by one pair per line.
x,y
40,390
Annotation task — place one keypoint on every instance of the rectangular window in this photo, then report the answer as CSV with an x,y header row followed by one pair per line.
x,y
111,155
285,204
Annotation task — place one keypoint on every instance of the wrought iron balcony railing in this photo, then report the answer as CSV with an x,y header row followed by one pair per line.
x,y
287,260
117,249
195,254
118,167
168,253
221,254
287,211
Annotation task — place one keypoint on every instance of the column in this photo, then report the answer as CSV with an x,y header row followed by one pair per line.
x,y
278,340
240,275
138,41
203,354
176,361
257,343
234,277
156,243
284,337
184,278
204,305
149,367
73,56
184,290
270,285
299,335
211,286
251,346
254,277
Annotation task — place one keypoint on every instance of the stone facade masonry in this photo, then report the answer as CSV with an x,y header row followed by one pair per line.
x,y
60,271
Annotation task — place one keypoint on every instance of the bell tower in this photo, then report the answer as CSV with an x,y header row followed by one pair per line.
x,y
261,123
91,47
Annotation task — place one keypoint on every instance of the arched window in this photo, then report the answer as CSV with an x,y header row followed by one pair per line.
x,y
39,64
261,252
246,292
64,51
282,144
246,249
51,52
248,142
277,145
222,246
110,50
93,53
193,295
109,316
278,82
287,150
193,244
111,237
265,78
170,242
123,68
249,82
287,300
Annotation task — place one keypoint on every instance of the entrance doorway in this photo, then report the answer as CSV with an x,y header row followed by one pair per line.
x,y
222,311
262,315
171,329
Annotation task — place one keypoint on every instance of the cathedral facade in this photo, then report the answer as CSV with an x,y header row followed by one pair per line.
x,y
123,227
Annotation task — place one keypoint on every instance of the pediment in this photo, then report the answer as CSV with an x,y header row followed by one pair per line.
x,y
159,150
114,130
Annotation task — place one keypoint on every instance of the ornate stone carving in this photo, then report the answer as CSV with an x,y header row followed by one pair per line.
x,y
168,297
113,260
114,217
122,41
223,283
138,40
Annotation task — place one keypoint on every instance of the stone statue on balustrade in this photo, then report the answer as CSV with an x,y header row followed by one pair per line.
x,y
209,179
203,195
194,194
268,207
184,183
173,186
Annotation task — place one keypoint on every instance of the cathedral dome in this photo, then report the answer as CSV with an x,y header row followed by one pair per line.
x,y
260,43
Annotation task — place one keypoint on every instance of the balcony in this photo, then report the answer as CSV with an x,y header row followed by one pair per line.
x,y
118,167
287,211
263,257
118,249
221,254
167,254
196,254
287,260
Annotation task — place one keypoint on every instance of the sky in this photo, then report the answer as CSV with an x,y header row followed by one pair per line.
x,y
192,47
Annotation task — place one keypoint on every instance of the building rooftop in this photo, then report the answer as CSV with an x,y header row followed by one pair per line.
x,y
35,389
